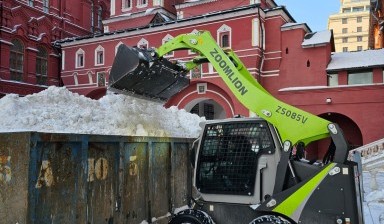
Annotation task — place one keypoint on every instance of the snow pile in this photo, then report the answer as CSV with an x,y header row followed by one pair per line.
x,y
57,110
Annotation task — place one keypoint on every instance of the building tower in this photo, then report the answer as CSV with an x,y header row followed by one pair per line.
x,y
351,25
376,33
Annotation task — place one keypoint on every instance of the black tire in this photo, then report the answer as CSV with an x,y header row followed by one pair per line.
x,y
191,216
270,219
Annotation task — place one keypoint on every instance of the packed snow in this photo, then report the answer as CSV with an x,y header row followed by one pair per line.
x,y
57,110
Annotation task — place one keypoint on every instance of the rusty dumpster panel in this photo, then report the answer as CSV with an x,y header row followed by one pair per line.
x,y
14,154
71,178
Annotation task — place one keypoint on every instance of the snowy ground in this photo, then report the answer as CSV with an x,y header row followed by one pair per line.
x,y
58,110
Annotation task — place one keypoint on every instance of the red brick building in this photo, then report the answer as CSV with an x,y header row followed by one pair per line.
x,y
29,62
295,64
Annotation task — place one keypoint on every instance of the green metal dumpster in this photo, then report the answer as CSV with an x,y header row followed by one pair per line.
x,y
76,178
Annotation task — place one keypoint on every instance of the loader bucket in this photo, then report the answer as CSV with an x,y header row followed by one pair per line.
x,y
139,72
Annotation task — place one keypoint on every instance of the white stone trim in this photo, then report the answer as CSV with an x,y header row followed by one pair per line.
x,y
78,52
223,29
97,50
143,41
117,47
167,38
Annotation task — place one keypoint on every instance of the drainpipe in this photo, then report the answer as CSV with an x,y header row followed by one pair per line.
x,y
261,46
92,18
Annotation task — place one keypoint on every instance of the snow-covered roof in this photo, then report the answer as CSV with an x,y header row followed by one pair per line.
x,y
317,38
356,59
292,25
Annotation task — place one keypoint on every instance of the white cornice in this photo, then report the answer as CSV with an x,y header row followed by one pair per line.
x,y
176,25
188,4
5,42
136,15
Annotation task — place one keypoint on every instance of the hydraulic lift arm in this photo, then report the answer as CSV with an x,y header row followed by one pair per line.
x,y
293,124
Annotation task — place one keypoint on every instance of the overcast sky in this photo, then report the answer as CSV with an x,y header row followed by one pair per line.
x,y
314,13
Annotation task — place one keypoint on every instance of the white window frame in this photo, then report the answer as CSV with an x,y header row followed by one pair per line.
x,y
140,3
62,60
124,7
225,29
158,2
167,38
201,88
143,42
98,50
211,69
79,52
254,2
117,47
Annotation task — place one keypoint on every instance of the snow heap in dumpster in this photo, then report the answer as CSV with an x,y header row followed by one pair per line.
x,y
57,110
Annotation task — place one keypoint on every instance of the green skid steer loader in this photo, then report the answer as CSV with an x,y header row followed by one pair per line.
x,y
244,171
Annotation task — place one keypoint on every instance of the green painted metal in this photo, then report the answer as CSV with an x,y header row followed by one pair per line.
x,y
293,123
291,205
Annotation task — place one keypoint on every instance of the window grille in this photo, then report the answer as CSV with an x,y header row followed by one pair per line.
x,y
209,111
228,156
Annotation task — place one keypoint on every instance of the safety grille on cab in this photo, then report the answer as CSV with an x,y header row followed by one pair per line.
x,y
228,157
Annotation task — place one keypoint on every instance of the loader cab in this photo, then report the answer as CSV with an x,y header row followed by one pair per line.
x,y
236,160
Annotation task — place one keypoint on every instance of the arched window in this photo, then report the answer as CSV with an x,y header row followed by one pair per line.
x,y
99,55
41,66
167,38
224,36
80,58
143,44
16,60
